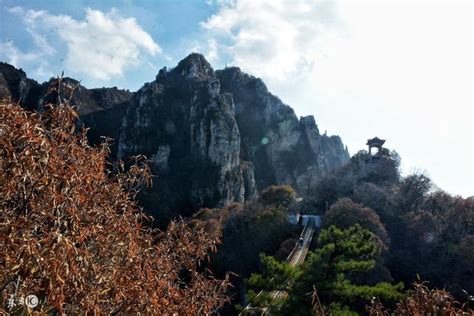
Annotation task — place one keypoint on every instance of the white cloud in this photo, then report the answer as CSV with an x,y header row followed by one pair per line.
x,y
398,70
14,56
9,52
272,39
101,46
41,43
210,50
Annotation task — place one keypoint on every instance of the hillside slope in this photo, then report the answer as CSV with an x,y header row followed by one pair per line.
x,y
212,137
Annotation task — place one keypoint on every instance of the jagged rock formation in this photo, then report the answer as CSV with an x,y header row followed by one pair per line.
x,y
16,86
102,113
101,110
282,148
212,137
187,127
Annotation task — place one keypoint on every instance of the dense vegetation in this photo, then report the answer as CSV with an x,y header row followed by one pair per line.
x,y
332,271
380,232
71,233
427,229
259,226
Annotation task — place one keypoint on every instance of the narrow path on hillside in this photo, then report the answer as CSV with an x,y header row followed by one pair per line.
x,y
295,258
299,252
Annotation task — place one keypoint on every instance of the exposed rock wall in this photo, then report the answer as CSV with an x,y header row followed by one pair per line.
x,y
283,149
187,126
212,137
16,86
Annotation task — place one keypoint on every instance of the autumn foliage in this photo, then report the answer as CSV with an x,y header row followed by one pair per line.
x,y
424,301
72,234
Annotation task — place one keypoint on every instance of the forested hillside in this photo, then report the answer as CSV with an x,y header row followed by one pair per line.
x,y
220,166
381,233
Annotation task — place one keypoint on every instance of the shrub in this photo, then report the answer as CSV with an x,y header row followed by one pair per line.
x,y
424,301
277,195
71,233
345,213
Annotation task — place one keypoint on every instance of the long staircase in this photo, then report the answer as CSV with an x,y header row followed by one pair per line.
x,y
299,252
295,258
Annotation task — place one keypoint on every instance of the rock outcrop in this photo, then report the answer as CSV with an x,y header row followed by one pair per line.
x,y
187,126
16,86
211,137
282,148
100,110
104,117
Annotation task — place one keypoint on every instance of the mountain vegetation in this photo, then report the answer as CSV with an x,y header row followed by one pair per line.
x,y
332,269
212,137
72,234
381,232
184,206
426,227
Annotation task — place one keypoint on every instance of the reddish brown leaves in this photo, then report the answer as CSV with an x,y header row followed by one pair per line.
x,y
71,234
424,301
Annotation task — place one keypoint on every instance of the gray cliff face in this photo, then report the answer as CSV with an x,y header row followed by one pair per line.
x,y
248,173
211,137
283,149
187,126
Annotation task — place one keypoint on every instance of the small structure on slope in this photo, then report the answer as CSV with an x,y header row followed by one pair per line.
x,y
377,143
294,218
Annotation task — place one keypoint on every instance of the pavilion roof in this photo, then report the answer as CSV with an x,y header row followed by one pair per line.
x,y
375,141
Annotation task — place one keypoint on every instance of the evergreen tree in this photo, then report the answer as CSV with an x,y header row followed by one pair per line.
x,y
330,270
275,276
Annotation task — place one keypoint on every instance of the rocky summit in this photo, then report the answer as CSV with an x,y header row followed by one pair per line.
x,y
283,149
187,128
211,137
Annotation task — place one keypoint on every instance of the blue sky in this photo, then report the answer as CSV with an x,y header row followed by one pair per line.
x,y
171,24
400,70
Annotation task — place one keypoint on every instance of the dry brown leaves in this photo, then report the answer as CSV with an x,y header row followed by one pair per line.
x,y
71,233
424,301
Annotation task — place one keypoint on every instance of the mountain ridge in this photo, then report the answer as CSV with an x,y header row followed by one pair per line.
x,y
212,137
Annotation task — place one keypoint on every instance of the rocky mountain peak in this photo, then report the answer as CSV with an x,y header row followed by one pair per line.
x,y
10,73
212,137
194,66
308,121
188,128
283,149
16,86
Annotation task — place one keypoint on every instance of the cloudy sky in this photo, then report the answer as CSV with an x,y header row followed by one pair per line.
x,y
400,70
